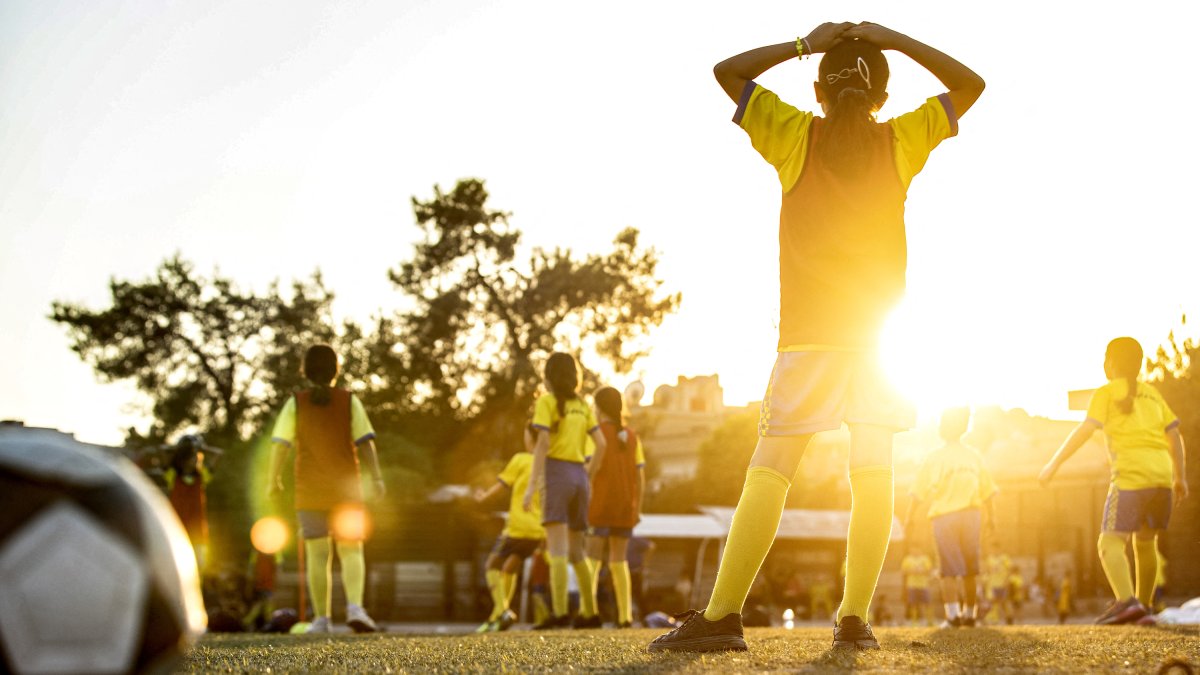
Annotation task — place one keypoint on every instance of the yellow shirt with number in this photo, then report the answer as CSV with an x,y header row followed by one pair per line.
x,y
953,478
1137,442
569,431
521,524
916,569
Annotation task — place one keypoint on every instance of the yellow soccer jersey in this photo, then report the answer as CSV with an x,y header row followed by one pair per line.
x,y
998,567
953,478
1137,442
780,133
521,524
568,433
916,569
285,425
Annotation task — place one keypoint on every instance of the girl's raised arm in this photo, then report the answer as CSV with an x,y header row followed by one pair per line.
x,y
734,72
964,85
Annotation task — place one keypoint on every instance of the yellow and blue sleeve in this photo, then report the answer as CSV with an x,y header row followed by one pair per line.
x,y
1170,419
917,133
360,425
285,425
511,473
544,412
778,131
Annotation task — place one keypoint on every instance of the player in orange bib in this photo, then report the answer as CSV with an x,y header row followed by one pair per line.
x,y
618,481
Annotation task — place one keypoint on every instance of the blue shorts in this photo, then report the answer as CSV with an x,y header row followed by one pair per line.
x,y
1000,594
918,596
957,536
510,546
566,498
626,532
316,524
813,391
1133,510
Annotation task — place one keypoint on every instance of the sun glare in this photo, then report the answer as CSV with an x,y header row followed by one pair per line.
x,y
269,535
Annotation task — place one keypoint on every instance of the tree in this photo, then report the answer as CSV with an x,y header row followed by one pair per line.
x,y
208,355
466,355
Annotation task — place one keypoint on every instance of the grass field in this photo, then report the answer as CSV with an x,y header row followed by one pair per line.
x,y
1016,649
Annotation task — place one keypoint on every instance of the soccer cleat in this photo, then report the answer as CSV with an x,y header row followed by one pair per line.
x,y
486,627
951,623
321,624
967,622
1148,620
506,621
1125,611
854,633
554,622
359,621
625,624
593,621
697,634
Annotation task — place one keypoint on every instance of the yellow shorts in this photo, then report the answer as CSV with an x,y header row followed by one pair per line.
x,y
813,391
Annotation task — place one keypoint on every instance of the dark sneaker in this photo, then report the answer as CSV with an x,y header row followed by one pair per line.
x,y
625,624
554,622
506,620
593,621
951,623
854,633
697,634
967,622
359,621
1125,611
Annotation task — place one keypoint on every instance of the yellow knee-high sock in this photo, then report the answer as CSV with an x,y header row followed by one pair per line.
x,y
587,587
510,588
1116,565
755,522
495,584
558,584
354,570
320,573
871,507
623,589
1145,555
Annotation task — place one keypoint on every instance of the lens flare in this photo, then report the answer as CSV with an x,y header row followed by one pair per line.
x,y
351,522
269,535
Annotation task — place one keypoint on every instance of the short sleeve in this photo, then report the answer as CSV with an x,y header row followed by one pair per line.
x,y
544,412
778,131
285,424
592,425
918,132
360,424
1170,419
640,457
1097,410
510,473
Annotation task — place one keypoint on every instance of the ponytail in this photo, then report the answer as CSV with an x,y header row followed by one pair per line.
x,y
608,400
1123,358
853,78
562,376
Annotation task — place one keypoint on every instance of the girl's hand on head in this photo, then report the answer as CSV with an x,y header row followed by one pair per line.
x,y
880,36
827,36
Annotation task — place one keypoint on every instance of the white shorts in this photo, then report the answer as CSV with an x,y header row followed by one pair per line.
x,y
815,391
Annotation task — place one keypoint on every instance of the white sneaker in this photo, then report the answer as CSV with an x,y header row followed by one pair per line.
x,y
359,621
321,624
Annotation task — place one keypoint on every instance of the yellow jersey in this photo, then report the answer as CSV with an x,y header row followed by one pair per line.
x,y
916,569
953,478
569,431
521,524
1137,442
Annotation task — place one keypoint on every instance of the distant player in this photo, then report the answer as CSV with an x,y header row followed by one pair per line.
x,y
328,429
564,422
917,568
842,257
1146,452
618,481
957,488
998,568
187,477
522,535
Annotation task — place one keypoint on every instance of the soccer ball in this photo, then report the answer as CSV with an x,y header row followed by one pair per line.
x,y
96,573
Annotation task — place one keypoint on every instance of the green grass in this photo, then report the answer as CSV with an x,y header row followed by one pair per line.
x,y
1015,649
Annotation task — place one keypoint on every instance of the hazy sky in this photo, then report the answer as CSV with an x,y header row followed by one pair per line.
x,y
267,139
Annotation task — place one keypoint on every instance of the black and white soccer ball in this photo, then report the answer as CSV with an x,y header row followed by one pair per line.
x,y
96,572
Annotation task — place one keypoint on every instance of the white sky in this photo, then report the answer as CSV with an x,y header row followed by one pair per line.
x,y
267,139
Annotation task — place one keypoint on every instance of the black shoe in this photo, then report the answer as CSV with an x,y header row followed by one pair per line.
x,y
697,634
854,633
1126,611
593,621
625,624
506,620
967,622
554,622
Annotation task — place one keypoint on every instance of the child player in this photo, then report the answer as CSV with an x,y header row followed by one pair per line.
x,y
328,428
521,538
1146,451
618,482
842,258
564,422
917,568
187,477
957,487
